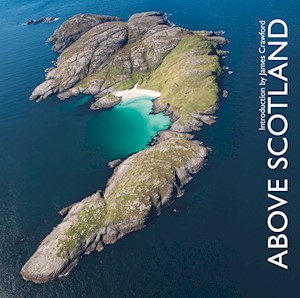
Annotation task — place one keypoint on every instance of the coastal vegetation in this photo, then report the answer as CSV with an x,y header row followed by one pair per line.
x,y
187,78
142,183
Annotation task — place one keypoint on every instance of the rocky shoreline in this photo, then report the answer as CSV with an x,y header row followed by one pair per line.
x,y
50,261
101,55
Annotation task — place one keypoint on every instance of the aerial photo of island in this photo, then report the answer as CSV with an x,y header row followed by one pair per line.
x,y
131,165
117,61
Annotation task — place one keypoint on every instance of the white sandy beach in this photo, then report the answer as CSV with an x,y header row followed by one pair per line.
x,y
135,92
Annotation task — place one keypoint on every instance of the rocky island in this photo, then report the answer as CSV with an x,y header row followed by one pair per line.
x,y
101,56
46,20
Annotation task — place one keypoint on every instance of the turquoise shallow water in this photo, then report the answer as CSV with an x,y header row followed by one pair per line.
x,y
120,131
127,128
55,153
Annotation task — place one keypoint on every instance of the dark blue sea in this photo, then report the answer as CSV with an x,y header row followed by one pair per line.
x,y
55,153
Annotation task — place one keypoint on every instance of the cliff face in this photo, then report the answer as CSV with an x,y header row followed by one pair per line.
x,y
101,54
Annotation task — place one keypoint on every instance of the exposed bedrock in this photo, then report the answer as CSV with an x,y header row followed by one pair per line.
x,y
138,189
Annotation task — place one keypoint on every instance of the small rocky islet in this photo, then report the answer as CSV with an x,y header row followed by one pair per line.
x,y
100,55
46,20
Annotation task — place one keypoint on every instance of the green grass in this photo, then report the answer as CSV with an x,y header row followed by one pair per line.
x,y
87,80
187,77
89,219
136,77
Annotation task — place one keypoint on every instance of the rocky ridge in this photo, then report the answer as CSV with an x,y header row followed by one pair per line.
x,y
138,189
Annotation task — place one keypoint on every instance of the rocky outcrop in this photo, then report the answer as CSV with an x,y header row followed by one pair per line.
x,y
225,94
207,119
141,23
158,107
138,189
112,164
105,102
187,125
82,58
75,27
64,211
46,20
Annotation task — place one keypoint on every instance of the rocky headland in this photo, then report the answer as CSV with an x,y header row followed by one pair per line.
x,y
102,55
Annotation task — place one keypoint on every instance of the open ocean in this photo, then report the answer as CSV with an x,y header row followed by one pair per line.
x,y
55,153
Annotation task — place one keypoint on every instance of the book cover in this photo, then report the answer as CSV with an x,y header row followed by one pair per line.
x,y
149,148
